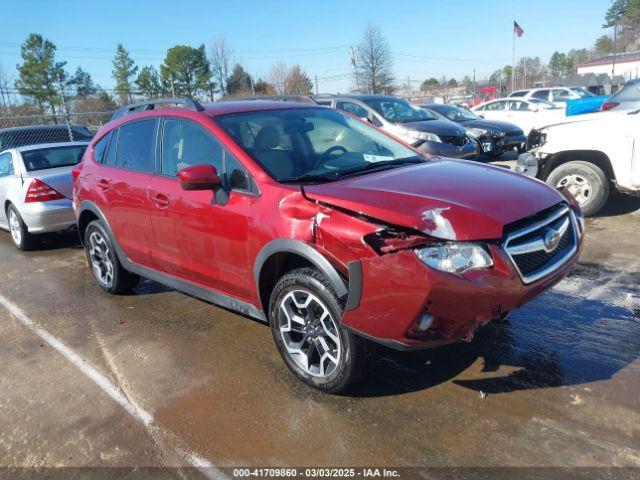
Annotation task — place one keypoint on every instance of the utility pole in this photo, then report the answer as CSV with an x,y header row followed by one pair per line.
x,y
524,67
316,84
64,108
353,55
474,86
615,38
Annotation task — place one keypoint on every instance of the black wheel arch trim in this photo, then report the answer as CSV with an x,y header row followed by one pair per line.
x,y
207,294
298,247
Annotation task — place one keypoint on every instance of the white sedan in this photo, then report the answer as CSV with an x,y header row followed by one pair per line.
x,y
527,114
36,189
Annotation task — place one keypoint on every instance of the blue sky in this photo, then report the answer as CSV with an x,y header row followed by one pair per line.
x,y
428,38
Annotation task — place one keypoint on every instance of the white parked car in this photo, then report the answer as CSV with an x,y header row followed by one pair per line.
x,y
588,155
555,95
36,190
526,114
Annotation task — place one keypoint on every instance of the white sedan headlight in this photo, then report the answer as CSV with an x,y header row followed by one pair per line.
x,y
476,132
455,257
431,137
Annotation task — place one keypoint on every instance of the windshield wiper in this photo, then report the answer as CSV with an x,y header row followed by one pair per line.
x,y
381,165
328,177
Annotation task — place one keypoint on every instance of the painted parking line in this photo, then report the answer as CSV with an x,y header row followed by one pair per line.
x,y
159,435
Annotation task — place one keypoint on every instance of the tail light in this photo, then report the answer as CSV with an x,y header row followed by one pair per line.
x,y
609,105
76,173
39,191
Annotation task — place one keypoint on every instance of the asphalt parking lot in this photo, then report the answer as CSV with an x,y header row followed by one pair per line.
x,y
158,378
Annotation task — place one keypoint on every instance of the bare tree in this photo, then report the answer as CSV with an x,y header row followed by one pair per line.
x,y
278,74
221,60
5,98
374,61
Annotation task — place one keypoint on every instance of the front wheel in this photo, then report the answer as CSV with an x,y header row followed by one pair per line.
x,y
304,313
585,181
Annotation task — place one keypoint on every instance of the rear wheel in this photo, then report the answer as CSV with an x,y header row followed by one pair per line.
x,y
20,235
104,263
304,313
585,181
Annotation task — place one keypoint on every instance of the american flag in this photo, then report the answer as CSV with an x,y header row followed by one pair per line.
x,y
518,29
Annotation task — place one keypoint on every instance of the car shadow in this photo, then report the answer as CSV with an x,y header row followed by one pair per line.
x,y
57,241
558,339
619,204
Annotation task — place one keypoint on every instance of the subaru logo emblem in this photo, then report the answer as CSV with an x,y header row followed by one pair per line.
x,y
551,239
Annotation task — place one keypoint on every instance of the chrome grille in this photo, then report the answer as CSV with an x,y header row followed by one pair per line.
x,y
543,246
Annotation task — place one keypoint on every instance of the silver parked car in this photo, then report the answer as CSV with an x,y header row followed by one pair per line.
x,y
36,188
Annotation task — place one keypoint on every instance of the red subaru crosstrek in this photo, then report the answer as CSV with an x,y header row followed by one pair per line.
x,y
336,234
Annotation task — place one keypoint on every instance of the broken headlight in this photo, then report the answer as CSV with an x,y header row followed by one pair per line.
x,y
427,136
455,257
476,132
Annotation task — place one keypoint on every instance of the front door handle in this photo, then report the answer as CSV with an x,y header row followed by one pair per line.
x,y
161,200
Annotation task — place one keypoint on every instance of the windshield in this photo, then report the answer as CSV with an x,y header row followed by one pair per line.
x,y
54,157
398,111
313,144
583,92
454,113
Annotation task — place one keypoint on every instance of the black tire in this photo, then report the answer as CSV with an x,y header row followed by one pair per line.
x,y
356,356
598,183
119,280
27,241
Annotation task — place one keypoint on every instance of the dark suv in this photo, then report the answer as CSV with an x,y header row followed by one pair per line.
x,y
335,233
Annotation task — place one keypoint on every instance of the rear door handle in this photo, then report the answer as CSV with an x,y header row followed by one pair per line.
x,y
161,200
103,184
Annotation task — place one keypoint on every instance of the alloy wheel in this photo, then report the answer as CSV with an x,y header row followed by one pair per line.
x,y
14,226
100,256
578,186
309,332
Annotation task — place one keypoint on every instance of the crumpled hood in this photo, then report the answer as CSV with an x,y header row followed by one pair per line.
x,y
449,199
439,127
491,125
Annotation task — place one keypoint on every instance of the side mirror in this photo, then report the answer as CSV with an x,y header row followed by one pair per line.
x,y
199,177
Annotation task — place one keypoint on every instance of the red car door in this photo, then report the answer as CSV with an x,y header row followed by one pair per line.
x,y
124,183
200,236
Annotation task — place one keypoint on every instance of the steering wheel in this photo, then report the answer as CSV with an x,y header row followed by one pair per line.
x,y
327,153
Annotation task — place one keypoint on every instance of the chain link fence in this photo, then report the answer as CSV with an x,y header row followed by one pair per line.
x,y
20,130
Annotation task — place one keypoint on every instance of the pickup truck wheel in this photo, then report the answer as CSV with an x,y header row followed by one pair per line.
x,y
104,263
20,235
304,313
585,181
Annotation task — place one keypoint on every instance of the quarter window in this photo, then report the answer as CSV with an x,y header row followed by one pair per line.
x,y
185,144
136,146
6,165
100,147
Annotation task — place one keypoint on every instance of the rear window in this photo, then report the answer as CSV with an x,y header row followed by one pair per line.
x,y
54,157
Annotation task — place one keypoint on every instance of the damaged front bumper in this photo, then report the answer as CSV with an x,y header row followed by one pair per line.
x,y
398,301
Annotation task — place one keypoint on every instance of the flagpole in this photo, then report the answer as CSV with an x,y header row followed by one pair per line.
x,y
513,57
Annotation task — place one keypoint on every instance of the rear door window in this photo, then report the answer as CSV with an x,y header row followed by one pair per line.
x,y
541,94
560,95
352,108
136,146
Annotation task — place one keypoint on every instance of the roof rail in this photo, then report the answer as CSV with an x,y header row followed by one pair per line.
x,y
273,98
189,103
